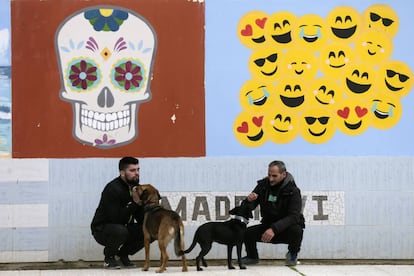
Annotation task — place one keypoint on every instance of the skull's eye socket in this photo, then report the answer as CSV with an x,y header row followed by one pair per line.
x,y
128,75
83,74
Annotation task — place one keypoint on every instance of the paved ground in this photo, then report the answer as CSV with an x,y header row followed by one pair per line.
x,y
274,268
308,270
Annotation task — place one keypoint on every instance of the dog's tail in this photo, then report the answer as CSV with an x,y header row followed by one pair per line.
x,y
193,244
179,240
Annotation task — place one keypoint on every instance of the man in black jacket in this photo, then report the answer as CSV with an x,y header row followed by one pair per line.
x,y
282,221
117,223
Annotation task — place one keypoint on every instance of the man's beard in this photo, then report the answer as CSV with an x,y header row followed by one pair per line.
x,y
132,181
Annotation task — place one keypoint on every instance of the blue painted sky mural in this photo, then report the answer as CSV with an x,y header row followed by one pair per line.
x,y
5,90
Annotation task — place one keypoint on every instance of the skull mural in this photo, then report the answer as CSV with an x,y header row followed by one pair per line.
x,y
105,57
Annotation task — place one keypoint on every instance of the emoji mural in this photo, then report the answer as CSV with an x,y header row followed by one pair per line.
x,y
332,73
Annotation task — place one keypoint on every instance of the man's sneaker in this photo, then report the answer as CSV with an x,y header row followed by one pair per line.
x,y
126,262
291,259
111,263
249,261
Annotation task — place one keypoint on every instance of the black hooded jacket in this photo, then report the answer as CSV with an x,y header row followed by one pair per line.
x,y
116,206
280,205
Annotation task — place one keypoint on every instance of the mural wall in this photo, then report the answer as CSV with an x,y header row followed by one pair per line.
x,y
297,79
104,80
303,78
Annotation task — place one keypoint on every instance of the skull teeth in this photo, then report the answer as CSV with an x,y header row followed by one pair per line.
x,y
105,121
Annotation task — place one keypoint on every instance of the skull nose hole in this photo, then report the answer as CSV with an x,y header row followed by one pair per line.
x,y
105,98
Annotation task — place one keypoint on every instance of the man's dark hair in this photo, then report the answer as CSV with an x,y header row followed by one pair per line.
x,y
126,161
279,164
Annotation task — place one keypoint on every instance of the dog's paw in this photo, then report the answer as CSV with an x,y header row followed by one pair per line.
x,y
199,269
242,267
145,269
232,267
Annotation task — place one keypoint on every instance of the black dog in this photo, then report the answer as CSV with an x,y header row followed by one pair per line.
x,y
229,232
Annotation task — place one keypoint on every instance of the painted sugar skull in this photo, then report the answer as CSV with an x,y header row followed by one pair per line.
x,y
105,57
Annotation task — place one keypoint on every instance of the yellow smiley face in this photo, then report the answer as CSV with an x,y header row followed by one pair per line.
x,y
279,29
264,64
325,92
251,29
382,18
299,63
334,59
352,116
344,23
248,129
374,47
281,125
386,111
256,96
396,78
310,32
317,125
290,93
358,80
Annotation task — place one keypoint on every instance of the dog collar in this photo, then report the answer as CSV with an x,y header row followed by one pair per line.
x,y
242,219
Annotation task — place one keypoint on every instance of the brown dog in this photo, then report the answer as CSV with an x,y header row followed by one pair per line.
x,y
162,225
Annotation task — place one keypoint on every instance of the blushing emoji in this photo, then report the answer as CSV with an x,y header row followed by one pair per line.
x,y
317,125
281,125
256,96
299,63
326,92
290,92
359,79
395,77
382,18
279,29
374,47
386,111
264,64
310,32
334,59
251,29
344,23
352,116
248,129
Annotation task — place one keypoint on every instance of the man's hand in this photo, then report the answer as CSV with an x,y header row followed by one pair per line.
x,y
252,197
135,195
268,235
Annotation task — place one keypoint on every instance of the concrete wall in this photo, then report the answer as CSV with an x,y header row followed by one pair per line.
x,y
355,207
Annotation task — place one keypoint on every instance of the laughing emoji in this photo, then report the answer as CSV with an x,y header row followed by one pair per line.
x,y
344,23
